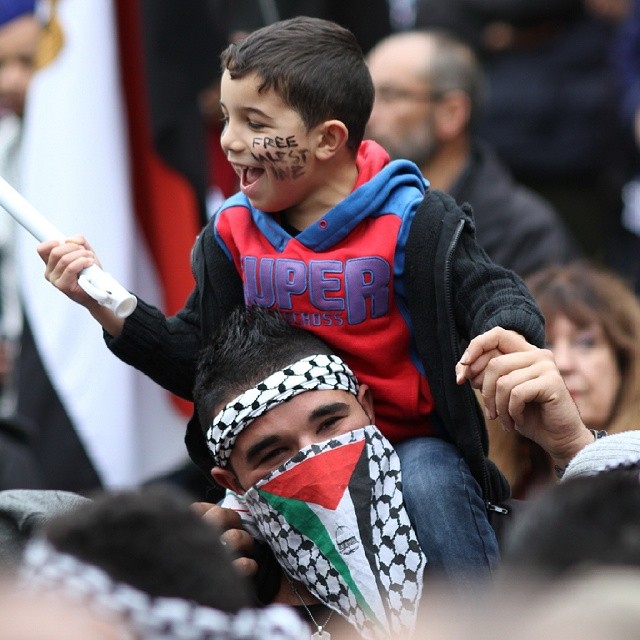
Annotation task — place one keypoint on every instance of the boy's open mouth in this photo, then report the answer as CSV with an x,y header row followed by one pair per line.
x,y
249,175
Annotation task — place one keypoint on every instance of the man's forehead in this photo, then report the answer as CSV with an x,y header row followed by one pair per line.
x,y
297,412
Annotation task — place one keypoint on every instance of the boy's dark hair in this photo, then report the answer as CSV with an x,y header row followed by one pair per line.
x,y
152,540
251,345
316,66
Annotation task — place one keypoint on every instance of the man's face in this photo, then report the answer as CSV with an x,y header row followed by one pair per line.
x,y
402,120
308,418
18,41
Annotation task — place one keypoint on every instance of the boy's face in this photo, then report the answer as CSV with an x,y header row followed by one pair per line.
x,y
268,145
308,418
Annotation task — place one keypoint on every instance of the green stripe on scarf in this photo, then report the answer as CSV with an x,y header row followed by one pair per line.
x,y
299,515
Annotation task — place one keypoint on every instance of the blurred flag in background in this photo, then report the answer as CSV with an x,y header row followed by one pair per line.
x,y
100,160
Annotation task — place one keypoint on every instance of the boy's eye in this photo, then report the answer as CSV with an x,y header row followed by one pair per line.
x,y
256,126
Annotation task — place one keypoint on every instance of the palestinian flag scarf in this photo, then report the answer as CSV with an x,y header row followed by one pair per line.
x,y
335,519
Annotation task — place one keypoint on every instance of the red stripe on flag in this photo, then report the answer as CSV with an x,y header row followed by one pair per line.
x,y
331,472
165,203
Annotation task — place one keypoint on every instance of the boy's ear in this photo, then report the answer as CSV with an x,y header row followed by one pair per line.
x,y
333,135
226,479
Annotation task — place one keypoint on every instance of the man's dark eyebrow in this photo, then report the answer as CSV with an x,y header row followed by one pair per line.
x,y
260,446
327,410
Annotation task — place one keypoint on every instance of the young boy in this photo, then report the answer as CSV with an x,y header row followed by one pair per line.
x,y
344,243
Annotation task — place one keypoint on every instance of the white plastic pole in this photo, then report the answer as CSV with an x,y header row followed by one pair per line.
x,y
99,284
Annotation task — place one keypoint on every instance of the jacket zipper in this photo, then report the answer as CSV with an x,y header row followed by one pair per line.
x,y
454,345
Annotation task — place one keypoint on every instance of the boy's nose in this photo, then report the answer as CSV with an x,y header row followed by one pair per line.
x,y
229,141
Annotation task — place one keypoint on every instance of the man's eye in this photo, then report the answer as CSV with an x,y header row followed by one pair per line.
x,y
329,424
272,454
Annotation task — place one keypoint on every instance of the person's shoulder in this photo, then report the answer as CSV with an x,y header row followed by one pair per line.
x,y
38,503
22,511
438,205
494,188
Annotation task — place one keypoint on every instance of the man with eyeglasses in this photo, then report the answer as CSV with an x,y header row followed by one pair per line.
x,y
429,90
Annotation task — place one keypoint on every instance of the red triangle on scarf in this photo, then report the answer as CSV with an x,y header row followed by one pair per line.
x,y
321,479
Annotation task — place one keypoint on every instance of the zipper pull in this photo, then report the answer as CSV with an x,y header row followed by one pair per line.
x,y
497,509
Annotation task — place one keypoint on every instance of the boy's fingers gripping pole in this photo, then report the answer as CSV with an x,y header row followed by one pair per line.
x,y
99,284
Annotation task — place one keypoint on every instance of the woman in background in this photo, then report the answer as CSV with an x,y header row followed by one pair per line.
x,y
593,329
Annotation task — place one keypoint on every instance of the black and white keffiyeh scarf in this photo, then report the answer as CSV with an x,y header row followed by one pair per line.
x,y
149,618
335,519
314,372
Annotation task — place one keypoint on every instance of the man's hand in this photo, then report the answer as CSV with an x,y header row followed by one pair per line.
x,y
522,387
233,536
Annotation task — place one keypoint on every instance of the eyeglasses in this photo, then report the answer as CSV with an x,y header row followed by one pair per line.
x,y
388,94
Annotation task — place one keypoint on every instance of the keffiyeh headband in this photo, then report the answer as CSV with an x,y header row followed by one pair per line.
x,y
151,618
322,372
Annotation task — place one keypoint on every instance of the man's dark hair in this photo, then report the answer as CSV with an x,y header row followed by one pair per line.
x,y
152,540
584,522
316,66
251,345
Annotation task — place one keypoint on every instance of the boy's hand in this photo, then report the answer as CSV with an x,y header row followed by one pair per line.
x,y
483,348
234,537
64,262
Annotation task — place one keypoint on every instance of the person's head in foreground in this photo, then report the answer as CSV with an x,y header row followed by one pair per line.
x,y
591,519
290,430
146,561
592,604
52,616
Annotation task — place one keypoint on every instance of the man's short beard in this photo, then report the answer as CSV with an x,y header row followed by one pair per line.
x,y
421,154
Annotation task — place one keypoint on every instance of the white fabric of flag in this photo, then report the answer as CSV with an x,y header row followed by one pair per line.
x,y
76,172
